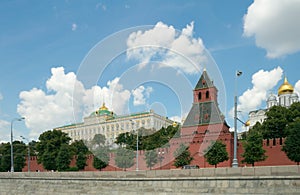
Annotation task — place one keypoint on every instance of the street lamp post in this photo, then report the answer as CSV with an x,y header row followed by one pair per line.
x,y
137,145
235,161
28,158
11,143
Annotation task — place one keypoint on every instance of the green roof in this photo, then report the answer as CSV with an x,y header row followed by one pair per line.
x,y
203,113
204,81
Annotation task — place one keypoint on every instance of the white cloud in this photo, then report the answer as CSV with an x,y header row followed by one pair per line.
x,y
4,127
140,94
275,26
102,6
4,131
178,49
114,96
263,81
55,107
297,87
176,118
74,26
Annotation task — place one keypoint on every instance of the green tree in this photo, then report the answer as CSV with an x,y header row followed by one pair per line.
x,y
20,151
63,158
81,151
275,124
32,147
124,158
79,146
101,157
5,157
149,139
216,153
151,158
253,147
182,156
125,139
294,111
99,139
292,142
49,146
81,161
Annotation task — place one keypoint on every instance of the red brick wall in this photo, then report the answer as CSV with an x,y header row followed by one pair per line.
x,y
275,156
196,145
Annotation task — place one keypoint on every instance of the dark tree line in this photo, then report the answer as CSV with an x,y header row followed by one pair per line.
x,y
281,122
19,154
148,139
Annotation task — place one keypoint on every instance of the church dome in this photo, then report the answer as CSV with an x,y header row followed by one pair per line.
x,y
103,107
285,88
103,110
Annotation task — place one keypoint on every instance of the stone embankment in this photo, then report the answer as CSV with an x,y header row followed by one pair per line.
x,y
246,180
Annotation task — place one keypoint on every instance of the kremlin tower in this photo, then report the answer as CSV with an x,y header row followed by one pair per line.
x,y
205,123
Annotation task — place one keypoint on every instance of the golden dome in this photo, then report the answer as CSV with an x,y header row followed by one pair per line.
x,y
285,88
103,107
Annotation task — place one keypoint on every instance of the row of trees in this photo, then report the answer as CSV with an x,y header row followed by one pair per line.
x,y
281,122
20,150
55,152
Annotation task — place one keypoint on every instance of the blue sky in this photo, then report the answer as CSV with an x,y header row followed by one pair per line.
x,y
45,46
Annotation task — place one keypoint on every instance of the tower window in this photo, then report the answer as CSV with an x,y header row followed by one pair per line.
x,y
207,94
199,96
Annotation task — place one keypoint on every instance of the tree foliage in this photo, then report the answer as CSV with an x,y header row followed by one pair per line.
x,y
99,139
81,151
277,121
275,124
148,139
182,156
5,157
81,161
216,153
63,158
294,111
124,158
101,157
292,142
253,147
151,158
32,147
20,151
49,147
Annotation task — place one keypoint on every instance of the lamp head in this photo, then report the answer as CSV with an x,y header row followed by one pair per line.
x,y
22,118
247,123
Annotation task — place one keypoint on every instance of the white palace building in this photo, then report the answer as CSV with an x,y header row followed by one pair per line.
x,y
107,123
286,97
